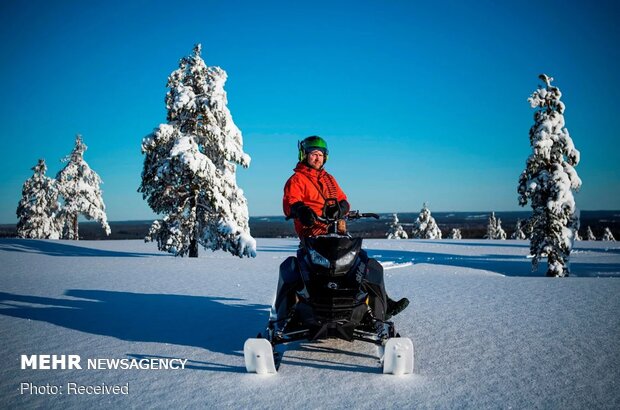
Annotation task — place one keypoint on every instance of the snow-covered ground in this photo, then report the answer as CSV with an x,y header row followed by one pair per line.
x,y
488,333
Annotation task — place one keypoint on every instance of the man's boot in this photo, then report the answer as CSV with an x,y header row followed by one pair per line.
x,y
394,308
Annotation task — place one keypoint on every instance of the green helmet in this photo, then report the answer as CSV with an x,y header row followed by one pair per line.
x,y
311,144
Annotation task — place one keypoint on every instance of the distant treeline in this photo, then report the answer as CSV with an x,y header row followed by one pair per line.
x,y
473,225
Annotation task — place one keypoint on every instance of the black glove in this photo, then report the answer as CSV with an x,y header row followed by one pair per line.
x,y
335,210
301,211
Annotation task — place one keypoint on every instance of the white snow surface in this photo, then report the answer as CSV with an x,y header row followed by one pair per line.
x,y
488,333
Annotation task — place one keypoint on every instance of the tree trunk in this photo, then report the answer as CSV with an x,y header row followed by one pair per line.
x,y
193,248
75,227
193,244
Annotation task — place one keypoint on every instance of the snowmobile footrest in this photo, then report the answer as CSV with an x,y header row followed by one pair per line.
x,y
259,357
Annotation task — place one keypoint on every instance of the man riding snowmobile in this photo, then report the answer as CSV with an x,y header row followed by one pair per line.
x,y
311,194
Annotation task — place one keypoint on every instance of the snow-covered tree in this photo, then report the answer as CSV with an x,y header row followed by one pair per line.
x,y
549,180
491,224
396,230
190,165
425,226
38,208
494,228
518,233
79,187
576,224
608,236
455,234
499,231
590,235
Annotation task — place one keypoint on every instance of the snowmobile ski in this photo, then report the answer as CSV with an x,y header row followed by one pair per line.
x,y
259,356
398,356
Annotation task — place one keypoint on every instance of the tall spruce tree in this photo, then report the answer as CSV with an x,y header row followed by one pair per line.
x,y
549,180
425,226
38,208
190,165
79,187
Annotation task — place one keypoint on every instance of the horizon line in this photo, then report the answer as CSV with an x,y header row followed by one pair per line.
x,y
380,213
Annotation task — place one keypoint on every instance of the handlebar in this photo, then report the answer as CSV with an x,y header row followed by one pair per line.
x,y
358,215
350,216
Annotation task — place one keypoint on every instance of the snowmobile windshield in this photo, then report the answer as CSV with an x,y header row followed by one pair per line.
x,y
332,255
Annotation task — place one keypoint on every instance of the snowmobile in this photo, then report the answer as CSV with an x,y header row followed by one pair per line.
x,y
331,303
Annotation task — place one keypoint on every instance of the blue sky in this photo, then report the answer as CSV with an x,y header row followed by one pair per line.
x,y
419,101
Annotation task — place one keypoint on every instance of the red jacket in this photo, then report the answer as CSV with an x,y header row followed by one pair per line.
x,y
311,187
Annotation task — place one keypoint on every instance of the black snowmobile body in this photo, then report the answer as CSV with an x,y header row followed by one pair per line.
x,y
330,300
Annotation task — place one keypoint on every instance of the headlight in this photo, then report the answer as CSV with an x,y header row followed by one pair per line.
x,y
345,260
318,259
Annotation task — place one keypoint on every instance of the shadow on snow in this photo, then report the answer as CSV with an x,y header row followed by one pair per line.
x,y
292,249
216,324
481,243
57,248
508,265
